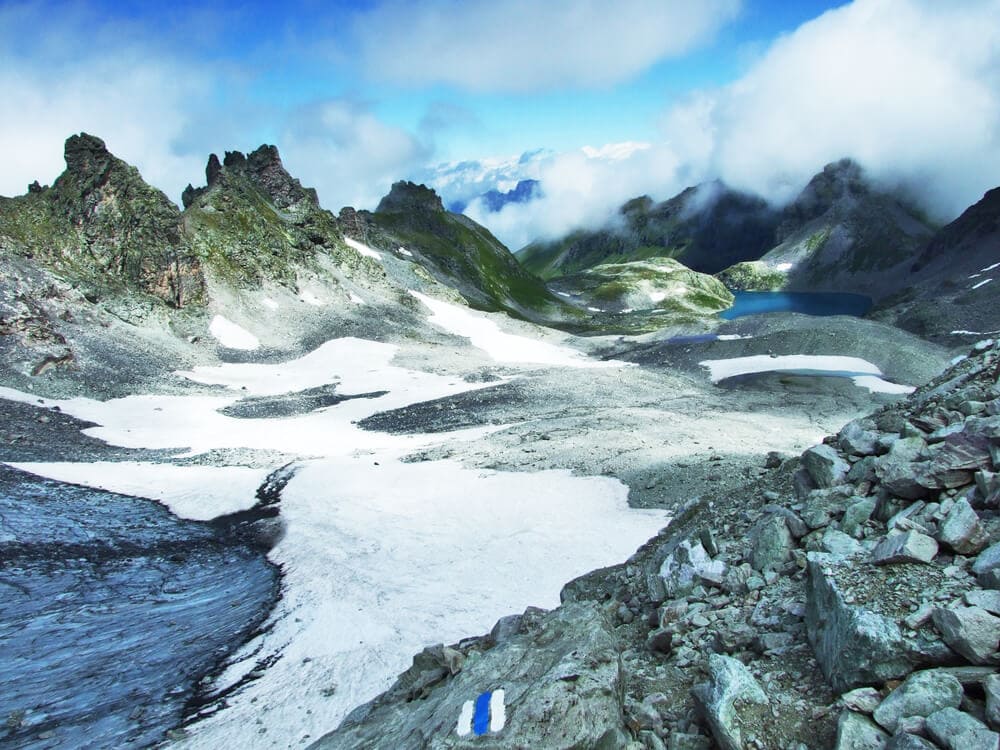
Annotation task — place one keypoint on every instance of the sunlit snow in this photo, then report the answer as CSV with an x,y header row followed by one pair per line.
x,y
231,335
362,248
863,373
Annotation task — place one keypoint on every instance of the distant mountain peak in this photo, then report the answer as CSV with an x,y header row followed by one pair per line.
x,y
409,196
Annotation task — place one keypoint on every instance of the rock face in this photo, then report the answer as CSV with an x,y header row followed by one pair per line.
x,y
463,254
254,222
102,227
707,228
842,234
561,682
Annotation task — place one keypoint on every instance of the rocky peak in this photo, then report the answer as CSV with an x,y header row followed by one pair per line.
x,y
408,196
86,155
264,169
840,182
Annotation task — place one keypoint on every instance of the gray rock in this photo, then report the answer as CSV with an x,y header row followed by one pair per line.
x,y
921,694
909,547
988,559
990,579
971,631
540,672
730,700
770,543
687,567
907,741
857,732
660,641
962,530
899,468
856,515
838,544
863,700
856,440
825,466
991,686
853,645
954,730
987,599
796,526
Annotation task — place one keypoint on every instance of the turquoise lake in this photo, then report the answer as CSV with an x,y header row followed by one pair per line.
x,y
808,303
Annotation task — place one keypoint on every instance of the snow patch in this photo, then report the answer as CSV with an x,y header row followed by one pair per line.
x,y
657,296
269,303
595,309
732,337
783,267
564,294
356,299
362,248
863,373
404,251
484,334
984,282
989,268
231,335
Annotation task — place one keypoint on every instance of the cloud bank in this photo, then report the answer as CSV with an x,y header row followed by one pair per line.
x,y
524,45
909,88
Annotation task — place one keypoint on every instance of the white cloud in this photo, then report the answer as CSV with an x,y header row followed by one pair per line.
x,y
909,88
62,84
582,189
348,154
525,45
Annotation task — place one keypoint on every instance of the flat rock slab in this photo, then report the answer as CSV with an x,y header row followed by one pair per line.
x,y
971,631
921,694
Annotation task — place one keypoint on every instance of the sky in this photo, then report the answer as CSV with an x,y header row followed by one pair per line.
x,y
601,101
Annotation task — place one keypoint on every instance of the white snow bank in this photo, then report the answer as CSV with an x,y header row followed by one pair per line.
x,y
404,251
231,335
657,296
863,373
362,248
783,267
984,282
484,334
382,560
356,299
196,492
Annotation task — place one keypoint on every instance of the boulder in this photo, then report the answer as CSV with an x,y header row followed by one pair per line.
x,y
857,732
971,631
987,599
689,566
863,700
853,645
856,440
962,530
825,466
838,544
770,543
907,741
954,730
921,694
731,700
991,686
909,547
988,559
856,515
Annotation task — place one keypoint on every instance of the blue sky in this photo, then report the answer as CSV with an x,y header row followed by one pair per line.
x,y
760,93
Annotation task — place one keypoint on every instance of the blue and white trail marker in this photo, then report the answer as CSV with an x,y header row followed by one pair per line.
x,y
485,714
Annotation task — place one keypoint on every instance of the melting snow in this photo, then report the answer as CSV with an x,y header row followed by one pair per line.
x,y
404,251
362,248
356,299
484,334
657,296
783,267
863,373
989,268
269,303
984,282
231,335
